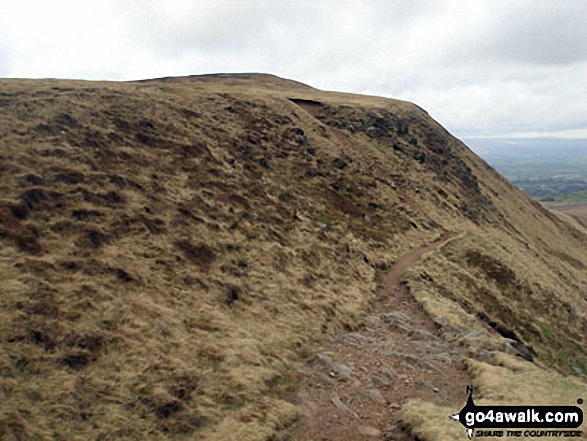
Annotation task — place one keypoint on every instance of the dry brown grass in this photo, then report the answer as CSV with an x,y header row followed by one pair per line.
x,y
532,294
502,302
170,249
575,214
507,380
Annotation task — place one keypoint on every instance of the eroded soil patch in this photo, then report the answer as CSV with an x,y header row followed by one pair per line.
x,y
355,388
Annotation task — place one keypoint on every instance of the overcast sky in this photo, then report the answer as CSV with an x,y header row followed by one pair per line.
x,y
481,68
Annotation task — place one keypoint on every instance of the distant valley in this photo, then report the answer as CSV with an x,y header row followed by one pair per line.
x,y
548,170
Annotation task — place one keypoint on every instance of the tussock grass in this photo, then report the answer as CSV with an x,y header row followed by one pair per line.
x,y
490,296
509,381
171,248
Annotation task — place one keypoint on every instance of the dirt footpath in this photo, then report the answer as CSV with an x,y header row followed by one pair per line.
x,y
355,388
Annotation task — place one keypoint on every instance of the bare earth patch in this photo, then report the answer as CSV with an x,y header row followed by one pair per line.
x,y
356,388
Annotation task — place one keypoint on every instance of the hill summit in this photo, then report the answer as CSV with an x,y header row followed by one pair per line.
x,y
172,249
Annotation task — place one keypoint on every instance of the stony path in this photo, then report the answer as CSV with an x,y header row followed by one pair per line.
x,y
355,388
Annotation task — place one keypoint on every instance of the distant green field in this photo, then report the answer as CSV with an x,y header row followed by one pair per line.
x,y
549,170
554,190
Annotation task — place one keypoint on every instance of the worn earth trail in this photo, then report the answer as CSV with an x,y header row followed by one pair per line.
x,y
355,388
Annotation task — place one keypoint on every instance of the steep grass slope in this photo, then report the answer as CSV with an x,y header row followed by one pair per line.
x,y
170,248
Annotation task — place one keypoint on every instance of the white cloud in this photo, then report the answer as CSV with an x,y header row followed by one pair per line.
x,y
559,134
5,57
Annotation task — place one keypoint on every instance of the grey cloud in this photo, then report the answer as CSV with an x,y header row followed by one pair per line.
x,y
536,32
336,32
212,27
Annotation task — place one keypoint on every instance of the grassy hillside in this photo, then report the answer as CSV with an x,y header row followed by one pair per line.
x,y
170,249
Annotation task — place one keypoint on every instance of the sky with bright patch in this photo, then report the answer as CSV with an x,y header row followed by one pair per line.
x,y
482,68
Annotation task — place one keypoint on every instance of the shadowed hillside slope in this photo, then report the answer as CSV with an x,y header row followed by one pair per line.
x,y
171,248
